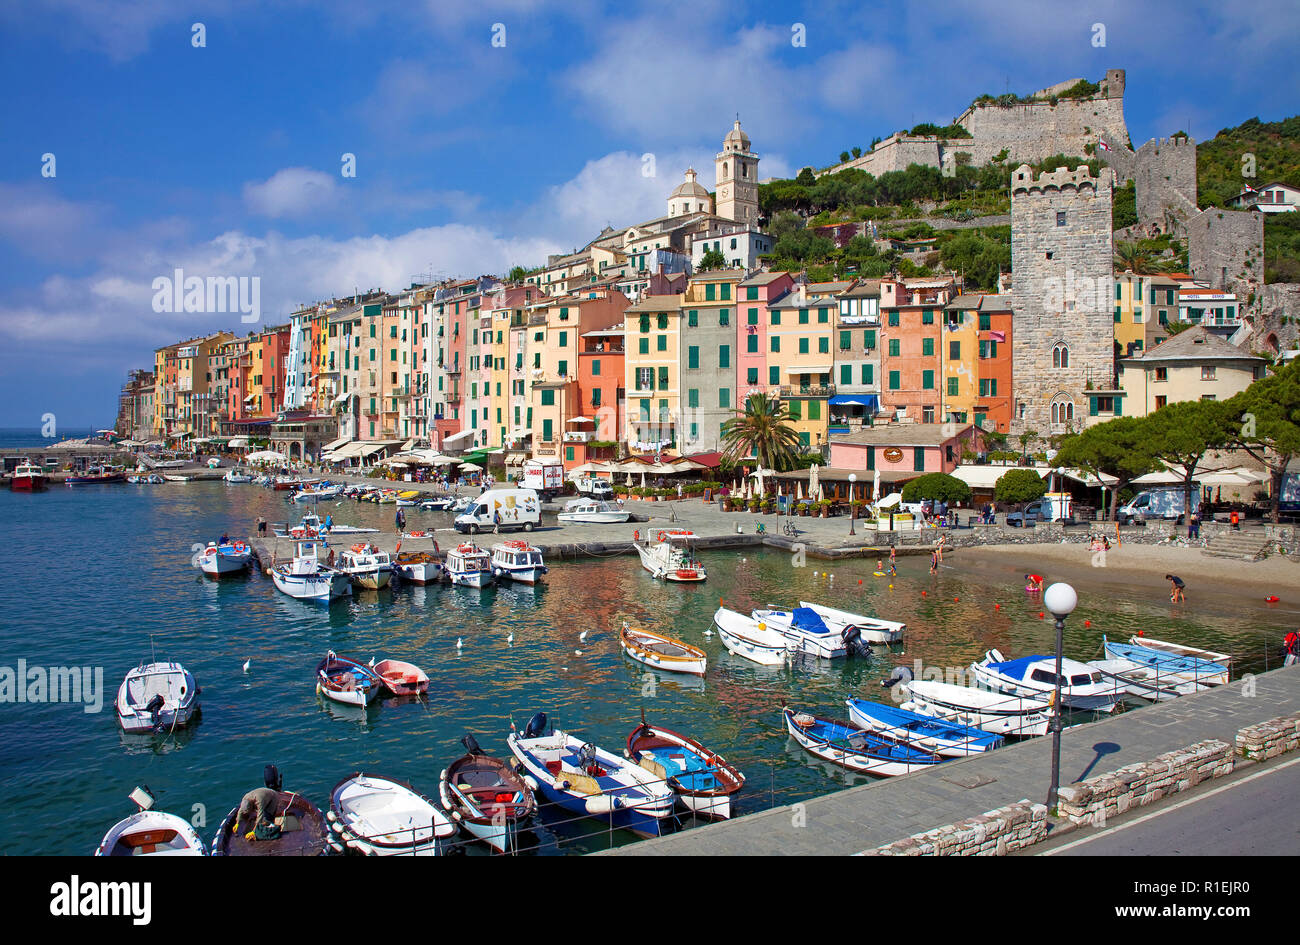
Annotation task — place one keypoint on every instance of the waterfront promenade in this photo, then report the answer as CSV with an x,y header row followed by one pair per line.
x,y
864,817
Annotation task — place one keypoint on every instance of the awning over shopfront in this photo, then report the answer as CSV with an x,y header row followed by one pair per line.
x,y
869,401
457,438
328,447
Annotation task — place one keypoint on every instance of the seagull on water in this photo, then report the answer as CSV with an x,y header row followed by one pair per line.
x,y
247,662
459,642
583,635
511,638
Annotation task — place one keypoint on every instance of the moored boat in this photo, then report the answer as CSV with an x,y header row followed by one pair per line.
x,y
587,780
870,629
517,560
347,681
668,554
157,697
230,557
296,827
857,750
28,477
306,578
400,678
97,475
1165,646
486,797
747,637
468,565
1082,687
993,712
417,567
662,652
592,512
150,832
237,475
950,739
1145,682
1167,663
377,816
809,633
703,780
366,566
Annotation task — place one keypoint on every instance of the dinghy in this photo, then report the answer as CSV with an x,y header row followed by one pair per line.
x,y
400,678
1223,659
662,652
347,681
156,697
950,739
808,633
990,711
590,781
150,833
747,637
1166,663
1146,682
486,797
865,752
1082,687
871,629
377,816
299,827
217,561
703,780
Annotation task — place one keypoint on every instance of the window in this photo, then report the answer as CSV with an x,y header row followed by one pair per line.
x,y
986,322
751,376
726,291
751,344
846,340
595,367
1060,356
645,378
751,316
724,355
952,386
1207,373
868,374
927,316
1162,374
645,327
564,339
927,380
1060,218
724,397
927,347
776,317
710,292
893,380
893,319
954,350
661,342
846,374
803,345
814,410
751,293
692,318
893,347
869,339
776,344
918,459
644,346
693,397
803,316
1161,400
823,315
693,358
663,378
548,398
774,375
595,398
724,317
823,345
564,369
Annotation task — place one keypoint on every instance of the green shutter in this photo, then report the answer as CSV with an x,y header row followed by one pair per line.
x,y
893,380
952,387
868,374
724,356
693,397
663,378
927,380
776,344
547,429
927,347
774,375
693,357
846,374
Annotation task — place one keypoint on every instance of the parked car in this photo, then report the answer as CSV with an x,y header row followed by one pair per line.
x,y
1033,512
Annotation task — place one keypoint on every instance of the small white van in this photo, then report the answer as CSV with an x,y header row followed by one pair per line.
x,y
508,508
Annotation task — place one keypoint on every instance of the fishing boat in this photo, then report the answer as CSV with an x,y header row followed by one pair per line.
x,y
437,504
468,566
347,681
299,827
667,553
1145,682
366,566
1082,687
950,739
1223,659
417,567
152,479
306,578
870,629
400,678
518,561
857,750
311,526
317,493
592,512
702,779
218,560
1167,663
150,832
486,797
237,475
377,816
590,781
747,637
157,697
28,477
808,633
662,652
98,475
177,478
990,711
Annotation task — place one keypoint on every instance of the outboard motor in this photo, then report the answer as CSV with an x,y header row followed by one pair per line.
x,y
851,637
272,778
155,704
536,726
471,745
586,756
901,674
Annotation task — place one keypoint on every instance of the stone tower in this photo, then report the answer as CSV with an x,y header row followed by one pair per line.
x,y
1062,296
737,170
1164,173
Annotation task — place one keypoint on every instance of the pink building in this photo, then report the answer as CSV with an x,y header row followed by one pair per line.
x,y
902,451
753,296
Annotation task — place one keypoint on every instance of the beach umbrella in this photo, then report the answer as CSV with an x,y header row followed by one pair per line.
x,y
471,467
642,480
798,492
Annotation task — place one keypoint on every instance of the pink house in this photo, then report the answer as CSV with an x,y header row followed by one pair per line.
x,y
903,450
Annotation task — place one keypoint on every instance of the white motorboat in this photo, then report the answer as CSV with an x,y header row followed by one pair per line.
x,y
228,558
807,632
170,478
668,554
306,578
366,566
468,566
437,503
870,629
747,637
1146,682
150,833
518,561
377,816
417,567
1082,687
235,474
593,512
325,491
993,712
157,697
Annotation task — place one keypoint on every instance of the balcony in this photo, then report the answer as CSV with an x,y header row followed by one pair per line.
x,y
809,391
579,436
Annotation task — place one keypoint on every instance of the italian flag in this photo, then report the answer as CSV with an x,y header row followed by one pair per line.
x,y
1103,145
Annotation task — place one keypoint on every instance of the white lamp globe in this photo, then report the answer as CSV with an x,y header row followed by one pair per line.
x,y
1060,599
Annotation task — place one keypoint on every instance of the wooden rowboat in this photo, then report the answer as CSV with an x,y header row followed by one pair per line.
x,y
302,825
486,797
703,780
662,652
401,678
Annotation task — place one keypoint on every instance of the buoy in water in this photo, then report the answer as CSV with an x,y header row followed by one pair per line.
x,y
997,606
1271,599
1087,623
891,587
859,580
923,593
956,600
1041,615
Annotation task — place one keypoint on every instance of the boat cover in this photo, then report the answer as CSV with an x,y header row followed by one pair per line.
x,y
1017,668
808,620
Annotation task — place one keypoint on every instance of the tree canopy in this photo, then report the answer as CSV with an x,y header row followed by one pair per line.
x,y
1118,448
940,487
1264,420
1017,486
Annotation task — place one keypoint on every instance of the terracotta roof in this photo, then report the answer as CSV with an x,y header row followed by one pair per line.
x,y
902,434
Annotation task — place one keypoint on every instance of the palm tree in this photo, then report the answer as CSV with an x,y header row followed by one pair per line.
x,y
1131,257
762,429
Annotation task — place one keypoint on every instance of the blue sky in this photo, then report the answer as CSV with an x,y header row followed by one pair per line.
x,y
225,160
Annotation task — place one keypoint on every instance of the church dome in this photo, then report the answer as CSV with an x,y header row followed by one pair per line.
x,y
689,188
736,140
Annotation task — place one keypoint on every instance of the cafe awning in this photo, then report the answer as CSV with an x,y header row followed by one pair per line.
x,y
458,437
869,401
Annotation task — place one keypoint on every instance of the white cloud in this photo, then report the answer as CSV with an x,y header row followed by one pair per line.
x,y
292,192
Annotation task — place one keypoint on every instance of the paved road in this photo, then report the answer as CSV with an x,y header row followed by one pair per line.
x,y
1252,815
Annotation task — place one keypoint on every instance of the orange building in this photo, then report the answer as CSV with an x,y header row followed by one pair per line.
x,y
913,346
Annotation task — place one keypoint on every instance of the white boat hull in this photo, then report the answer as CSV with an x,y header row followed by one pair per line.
x,y
1093,696
1006,715
170,680
218,564
184,842
322,586
824,646
742,637
419,572
873,629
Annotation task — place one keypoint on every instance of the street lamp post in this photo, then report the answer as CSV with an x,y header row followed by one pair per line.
x,y
853,509
1060,599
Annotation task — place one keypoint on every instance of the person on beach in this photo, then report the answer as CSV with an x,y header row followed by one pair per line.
x,y
939,548
893,555
1035,581
261,525
1291,646
1177,589
934,562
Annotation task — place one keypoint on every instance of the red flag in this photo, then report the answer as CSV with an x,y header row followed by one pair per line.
x,y
1103,145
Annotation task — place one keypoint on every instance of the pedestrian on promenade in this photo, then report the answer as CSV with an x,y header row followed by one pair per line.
x,y
1177,589
1194,527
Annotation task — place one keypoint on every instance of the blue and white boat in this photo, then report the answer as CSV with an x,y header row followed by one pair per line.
x,y
808,632
1173,667
950,739
1082,687
518,561
703,780
871,629
230,557
590,781
852,748
306,578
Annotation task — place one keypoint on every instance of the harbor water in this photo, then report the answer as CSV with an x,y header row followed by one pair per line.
x,y
101,577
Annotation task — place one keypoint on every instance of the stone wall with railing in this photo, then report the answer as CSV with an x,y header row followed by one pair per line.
x,y
1136,785
993,833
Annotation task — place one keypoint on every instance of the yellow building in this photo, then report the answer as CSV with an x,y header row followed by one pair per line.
x,y
1144,304
652,354
800,361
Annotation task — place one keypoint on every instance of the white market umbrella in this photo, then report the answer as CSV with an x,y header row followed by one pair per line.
x,y
471,467
798,492
643,480
265,456
875,487
814,485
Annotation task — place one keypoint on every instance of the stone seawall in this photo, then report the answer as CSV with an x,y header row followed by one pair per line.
x,y
993,833
1269,739
1137,785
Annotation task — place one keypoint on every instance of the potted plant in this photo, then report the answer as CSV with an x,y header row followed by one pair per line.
x,y
755,505
824,508
769,505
